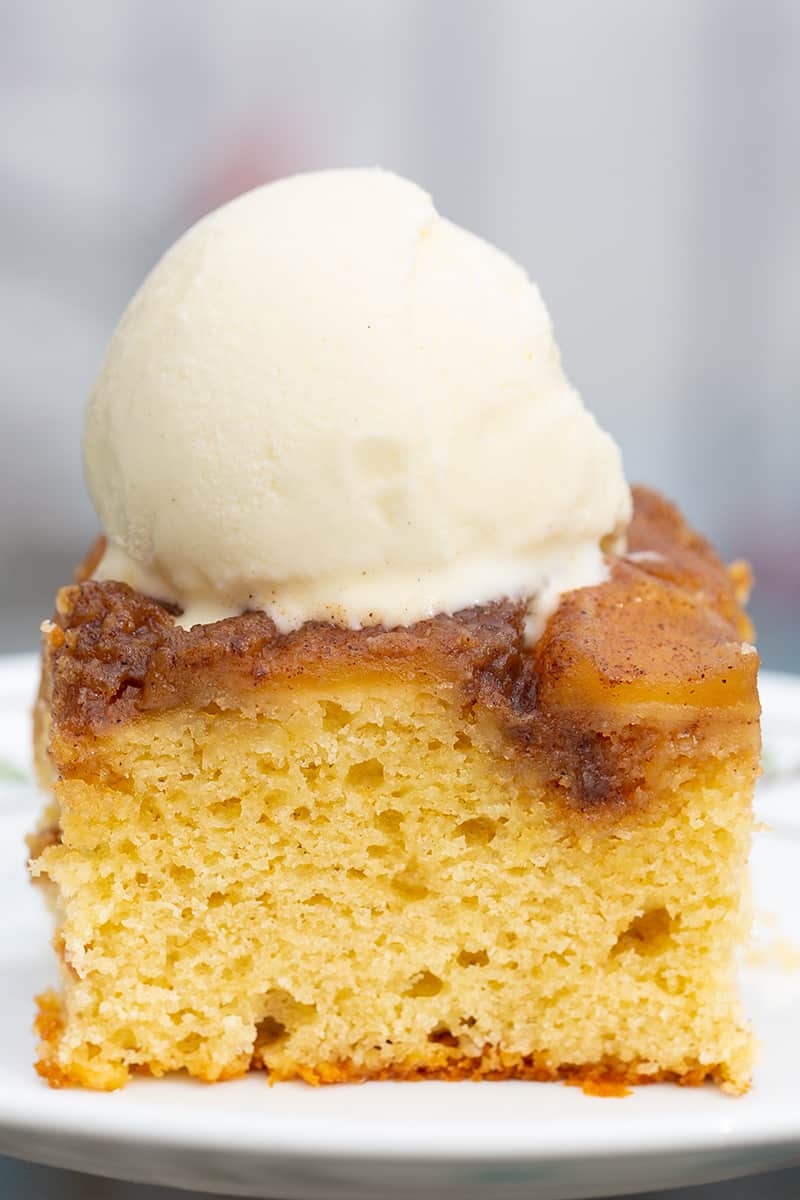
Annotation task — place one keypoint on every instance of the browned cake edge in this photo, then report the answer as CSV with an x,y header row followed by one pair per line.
x,y
608,1078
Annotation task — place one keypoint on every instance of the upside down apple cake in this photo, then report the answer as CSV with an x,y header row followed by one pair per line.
x,y
415,852
382,742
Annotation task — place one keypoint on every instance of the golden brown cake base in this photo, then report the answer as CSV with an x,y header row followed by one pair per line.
x,y
405,853
610,1078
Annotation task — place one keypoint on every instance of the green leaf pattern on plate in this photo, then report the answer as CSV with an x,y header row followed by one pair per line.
x,y
10,774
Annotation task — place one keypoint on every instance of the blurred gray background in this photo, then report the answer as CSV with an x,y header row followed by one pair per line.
x,y
641,160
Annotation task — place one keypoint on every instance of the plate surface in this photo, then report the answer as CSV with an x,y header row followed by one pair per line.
x,y
498,1140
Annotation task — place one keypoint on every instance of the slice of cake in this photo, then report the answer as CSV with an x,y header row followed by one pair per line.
x,y
460,786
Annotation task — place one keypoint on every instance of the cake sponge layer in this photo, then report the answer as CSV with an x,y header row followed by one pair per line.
x,y
347,882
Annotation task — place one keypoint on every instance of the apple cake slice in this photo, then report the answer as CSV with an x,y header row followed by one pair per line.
x,y
432,851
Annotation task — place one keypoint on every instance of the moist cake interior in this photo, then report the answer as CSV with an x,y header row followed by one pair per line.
x,y
406,853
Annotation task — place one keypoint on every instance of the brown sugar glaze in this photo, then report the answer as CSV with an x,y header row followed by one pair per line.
x,y
640,666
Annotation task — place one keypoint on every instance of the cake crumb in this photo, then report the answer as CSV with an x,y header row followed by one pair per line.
x,y
600,1087
780,953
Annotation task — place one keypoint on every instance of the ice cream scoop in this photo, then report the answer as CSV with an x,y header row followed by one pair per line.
x,y
329,403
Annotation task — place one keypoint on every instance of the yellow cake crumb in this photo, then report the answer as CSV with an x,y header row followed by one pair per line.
x,y
342,881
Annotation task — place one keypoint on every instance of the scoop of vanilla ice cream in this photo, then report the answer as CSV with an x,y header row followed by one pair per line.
x,y
328,402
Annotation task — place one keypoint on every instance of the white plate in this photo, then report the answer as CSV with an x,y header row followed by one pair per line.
x,y
498,1140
